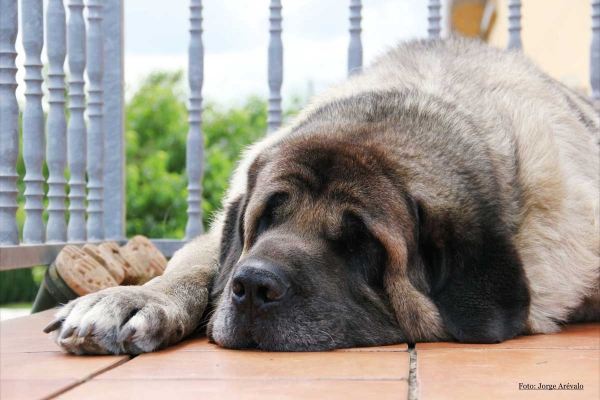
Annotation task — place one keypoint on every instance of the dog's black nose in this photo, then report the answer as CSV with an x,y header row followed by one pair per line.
x,y
258,286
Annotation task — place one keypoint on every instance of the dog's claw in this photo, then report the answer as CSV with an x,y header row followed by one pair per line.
x,y
125,334
68,332
54,325
108,322
86,330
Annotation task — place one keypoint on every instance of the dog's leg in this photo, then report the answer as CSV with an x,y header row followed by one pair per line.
x,y
140,319
589,309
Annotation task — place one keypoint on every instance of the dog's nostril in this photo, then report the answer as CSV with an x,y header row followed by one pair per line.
x,y
267,295
238,289
258,284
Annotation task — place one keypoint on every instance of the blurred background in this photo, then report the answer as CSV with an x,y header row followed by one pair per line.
x,y
556,35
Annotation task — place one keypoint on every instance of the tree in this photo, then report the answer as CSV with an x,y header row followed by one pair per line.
x,y
156,130
156,138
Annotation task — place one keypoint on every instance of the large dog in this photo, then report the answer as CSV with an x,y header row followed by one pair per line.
x,y
449,192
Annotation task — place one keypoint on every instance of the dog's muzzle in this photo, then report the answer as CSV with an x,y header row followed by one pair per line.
x,y
258,287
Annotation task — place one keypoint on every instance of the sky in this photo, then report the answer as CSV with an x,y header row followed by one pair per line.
x,y
315,41
236,37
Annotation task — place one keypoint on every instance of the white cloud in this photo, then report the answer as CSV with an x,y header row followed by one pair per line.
x,y
236,36
315,38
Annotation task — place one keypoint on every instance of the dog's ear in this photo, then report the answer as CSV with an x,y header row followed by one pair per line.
x,y
232,237
231,243
476,280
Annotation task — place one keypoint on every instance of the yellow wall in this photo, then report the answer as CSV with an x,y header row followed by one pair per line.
x,y
466,18
556,35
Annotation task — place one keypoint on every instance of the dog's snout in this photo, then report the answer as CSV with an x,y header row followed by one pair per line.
x,y
258,286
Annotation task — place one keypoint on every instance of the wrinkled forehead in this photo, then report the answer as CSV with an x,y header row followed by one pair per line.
x,y
340,171
322,180
309,206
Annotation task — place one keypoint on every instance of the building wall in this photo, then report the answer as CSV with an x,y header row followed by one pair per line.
x,y
466,16
556,35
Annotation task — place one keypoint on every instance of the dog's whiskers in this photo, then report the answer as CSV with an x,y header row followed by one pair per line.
x,y
330,337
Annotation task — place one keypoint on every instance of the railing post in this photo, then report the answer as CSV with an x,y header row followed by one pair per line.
x,y
33,120
355,51
76,131
514,24
275,67
114,127
434,18
195,138
595,50
56,124
9,123
95,139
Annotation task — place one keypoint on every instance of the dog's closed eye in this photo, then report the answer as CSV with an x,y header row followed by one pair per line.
x,y
361,249
267,218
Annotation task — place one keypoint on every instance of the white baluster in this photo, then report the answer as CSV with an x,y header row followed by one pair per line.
x,y
195,138
114,127
514,24
275,67
434,18
33,120
56,124
76,128
95,139
355,50
9,123
595,50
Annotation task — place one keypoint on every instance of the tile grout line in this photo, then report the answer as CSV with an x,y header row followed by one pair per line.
x,y
413,386
88,378
253,379
566,348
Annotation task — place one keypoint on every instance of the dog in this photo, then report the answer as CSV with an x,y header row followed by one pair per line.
x,y
449,192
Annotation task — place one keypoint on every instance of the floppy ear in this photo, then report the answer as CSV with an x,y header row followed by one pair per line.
x,y
405,283
231,243
232,239
476,281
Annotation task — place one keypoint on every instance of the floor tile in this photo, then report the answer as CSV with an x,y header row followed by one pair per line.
x,y
47,366
260,365
577,336
377,349
32,366
496,390
452,373
202,344
24,335
239,390
196,344
36,389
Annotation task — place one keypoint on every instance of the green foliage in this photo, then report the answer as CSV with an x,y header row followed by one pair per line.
x,y
156,131
156,150
17,286
22,285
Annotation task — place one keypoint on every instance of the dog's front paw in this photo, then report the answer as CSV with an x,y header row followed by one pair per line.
x,y
119,320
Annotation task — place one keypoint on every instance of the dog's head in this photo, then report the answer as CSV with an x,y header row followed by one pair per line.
x,y
327,249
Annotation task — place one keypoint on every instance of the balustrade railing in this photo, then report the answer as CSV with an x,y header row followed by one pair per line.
x,y
56,123
195,138
275,66
355,51
97,52
434,18
9,124
76,128
33,120
514,24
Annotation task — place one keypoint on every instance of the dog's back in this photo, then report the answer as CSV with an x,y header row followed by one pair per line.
x,y
543,140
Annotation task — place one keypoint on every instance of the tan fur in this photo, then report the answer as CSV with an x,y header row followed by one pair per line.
x,y
559,226
539,136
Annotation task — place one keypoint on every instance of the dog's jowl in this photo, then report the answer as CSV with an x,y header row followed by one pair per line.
x,y
449,192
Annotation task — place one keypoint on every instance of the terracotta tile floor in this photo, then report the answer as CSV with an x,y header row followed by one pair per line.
x,y
31,367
